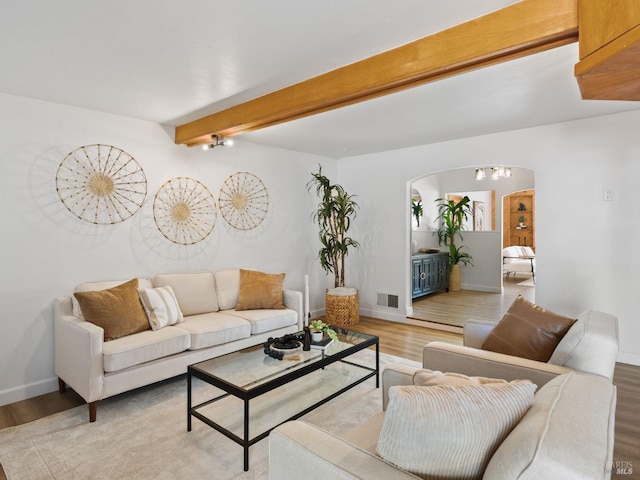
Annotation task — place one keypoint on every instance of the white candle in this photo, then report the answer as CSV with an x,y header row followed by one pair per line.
x,y
307,313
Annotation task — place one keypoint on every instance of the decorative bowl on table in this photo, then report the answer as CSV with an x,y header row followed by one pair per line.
x,y
279,347
292,346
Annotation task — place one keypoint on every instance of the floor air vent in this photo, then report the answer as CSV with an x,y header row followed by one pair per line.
x,y
387,300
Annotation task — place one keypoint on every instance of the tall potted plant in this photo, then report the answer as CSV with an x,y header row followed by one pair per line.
x,y
452,216
334,214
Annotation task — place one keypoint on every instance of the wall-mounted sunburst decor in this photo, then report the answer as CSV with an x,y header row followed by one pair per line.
x,y
101,184
243,201
184,211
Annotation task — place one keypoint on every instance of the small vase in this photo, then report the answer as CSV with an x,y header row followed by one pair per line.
x,y
306,339
316,336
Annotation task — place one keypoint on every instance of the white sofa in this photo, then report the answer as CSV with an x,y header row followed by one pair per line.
x,y
516,259
590,345
567,433
96,369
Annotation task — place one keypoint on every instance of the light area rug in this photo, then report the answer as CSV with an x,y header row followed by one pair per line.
x,y
527,283
142,435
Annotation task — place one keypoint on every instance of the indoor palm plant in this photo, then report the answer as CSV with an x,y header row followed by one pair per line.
x,y
416,209
335,211
333,215
452,216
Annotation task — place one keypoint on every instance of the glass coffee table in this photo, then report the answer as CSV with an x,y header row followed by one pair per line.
x,y
255,393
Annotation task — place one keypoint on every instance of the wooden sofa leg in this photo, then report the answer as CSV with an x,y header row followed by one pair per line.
x,y
61,385
93,410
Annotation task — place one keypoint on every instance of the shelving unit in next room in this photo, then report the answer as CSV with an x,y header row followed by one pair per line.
x,y
519,219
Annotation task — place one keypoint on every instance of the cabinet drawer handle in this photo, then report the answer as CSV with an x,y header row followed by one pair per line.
x,y
423,276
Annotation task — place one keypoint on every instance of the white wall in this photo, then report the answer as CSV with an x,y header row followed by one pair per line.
x,y
586,255
46,251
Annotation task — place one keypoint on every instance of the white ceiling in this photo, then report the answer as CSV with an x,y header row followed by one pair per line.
x,y
171,61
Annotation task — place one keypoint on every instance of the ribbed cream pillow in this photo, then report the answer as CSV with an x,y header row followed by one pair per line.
x,y
161,306
428,378
450,431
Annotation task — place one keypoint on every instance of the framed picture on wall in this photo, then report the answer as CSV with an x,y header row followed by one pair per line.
x,y
478,216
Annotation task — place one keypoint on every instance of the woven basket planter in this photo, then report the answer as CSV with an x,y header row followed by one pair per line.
x,y
342,309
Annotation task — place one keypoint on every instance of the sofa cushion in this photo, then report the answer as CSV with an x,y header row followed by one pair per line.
x,y
260,290
450,431
528,331
144,347
196,292
215,328
567,433
593,332
94,286
227,288
161,306
266,320
116,310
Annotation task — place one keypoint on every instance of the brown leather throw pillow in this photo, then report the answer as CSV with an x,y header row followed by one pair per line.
x,y
528,331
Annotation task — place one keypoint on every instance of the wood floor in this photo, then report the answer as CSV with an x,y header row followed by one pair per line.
x,y
455,308
403,340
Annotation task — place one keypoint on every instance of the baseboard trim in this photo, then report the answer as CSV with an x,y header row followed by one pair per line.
x,y
629,358
384,315
30,390
481,288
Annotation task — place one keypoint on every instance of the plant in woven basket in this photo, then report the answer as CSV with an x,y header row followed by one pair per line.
x,y
333,215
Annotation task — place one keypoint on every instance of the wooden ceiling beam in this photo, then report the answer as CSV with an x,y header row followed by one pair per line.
x,y
524,28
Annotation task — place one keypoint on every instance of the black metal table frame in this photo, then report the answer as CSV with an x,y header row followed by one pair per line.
x,y
247,395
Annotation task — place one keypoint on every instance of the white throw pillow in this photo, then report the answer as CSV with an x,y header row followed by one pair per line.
x,y
161,306
450,431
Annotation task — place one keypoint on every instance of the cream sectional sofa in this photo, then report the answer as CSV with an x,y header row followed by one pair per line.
x,y
567,433
96,369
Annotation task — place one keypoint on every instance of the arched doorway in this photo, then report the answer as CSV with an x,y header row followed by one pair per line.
x,y
486,276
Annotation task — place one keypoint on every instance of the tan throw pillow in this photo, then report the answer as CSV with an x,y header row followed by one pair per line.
x,y
450,431
161,306
260,290
117,310
528,331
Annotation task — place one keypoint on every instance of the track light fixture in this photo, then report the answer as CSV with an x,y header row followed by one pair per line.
x,y
496,173
217,141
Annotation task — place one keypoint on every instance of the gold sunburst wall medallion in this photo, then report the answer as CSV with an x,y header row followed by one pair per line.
x,y
243,201
184,211
101,184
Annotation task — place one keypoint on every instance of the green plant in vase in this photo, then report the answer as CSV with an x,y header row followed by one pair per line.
x,y
318,326
452,216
